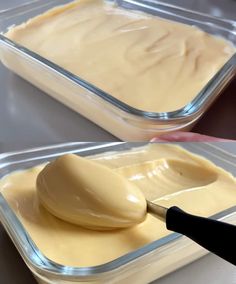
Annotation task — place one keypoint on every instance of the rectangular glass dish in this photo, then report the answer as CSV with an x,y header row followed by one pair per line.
x,y
140,266
118,118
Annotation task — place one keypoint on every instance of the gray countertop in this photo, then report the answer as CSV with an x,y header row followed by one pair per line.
x,y
30,118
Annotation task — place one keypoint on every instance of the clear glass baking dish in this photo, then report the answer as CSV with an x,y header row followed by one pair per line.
x,y
118,118
141,266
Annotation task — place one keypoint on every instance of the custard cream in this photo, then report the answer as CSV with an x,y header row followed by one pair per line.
x,y
147,62
166,174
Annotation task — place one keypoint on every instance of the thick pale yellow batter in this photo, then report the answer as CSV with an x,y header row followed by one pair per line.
x,y
165,173
147,62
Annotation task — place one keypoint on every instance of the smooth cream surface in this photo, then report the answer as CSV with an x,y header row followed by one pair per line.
x,y
146,62
164,173
86,193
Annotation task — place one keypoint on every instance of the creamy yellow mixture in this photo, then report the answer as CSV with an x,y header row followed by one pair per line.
x,y
83,192
146,62
164,173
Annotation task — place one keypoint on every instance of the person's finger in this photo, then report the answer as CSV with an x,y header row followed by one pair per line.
x,y
186,137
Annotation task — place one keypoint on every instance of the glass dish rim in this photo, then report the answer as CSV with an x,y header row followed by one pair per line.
x,y
191,109
37,260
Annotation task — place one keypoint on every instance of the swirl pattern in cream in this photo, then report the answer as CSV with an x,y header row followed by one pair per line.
x,y
147,62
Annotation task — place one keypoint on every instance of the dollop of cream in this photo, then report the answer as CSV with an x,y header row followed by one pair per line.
x,y
83,192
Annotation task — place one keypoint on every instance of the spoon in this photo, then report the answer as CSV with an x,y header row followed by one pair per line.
x,y
215,236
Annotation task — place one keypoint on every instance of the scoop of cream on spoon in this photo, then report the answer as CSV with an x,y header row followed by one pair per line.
x,y
88,194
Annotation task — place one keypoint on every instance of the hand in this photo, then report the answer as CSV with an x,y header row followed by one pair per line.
x,y
186,137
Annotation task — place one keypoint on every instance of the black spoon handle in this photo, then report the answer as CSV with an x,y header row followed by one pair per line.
x,y
215,236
